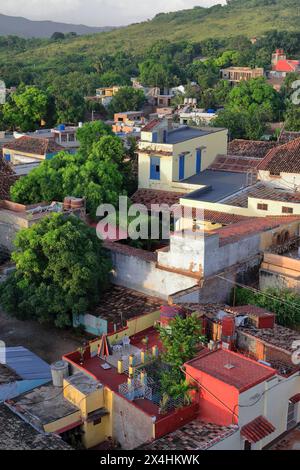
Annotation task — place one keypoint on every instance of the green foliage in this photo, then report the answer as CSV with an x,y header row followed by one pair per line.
x,y
95,172
25,109
292,119
61,268
127,99
180,343
285,304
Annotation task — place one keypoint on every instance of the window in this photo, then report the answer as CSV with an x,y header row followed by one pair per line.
x,y
154,168
97,421
287,210
274,173
262,207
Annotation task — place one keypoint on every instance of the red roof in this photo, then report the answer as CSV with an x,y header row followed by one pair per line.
x,y
287,65
257,430
285,158
34,145
242,373
250,310
295,399
151,124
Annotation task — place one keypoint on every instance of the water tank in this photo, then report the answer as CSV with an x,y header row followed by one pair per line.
x,y
59,371
211,111
80,124
168,313
61,127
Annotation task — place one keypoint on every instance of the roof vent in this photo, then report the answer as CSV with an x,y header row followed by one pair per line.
x,y
229,366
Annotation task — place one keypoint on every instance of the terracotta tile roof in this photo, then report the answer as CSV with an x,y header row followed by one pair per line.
x,y
250,310
244,373
280,337
7,178
287,65
34,145
195,435
250,148
151,124
223,218
119,303
283,159
155,196
295,399
257,430
261,191
238,164
235,232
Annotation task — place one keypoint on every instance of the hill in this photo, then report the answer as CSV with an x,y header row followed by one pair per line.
x,y
22,27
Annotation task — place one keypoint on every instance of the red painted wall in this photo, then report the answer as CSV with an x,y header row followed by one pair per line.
x,y
213,397
175,420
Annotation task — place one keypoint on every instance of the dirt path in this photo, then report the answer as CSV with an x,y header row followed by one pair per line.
x,y
47,342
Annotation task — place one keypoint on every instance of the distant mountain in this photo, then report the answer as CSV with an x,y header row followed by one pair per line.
x,y
18,26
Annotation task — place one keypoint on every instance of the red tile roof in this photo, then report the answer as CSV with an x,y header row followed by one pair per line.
x,y
223,218
250,310
244,374
237,164
295,399
155,196
151,124
250,148
287,65
34,145
235,232
257,430
283,159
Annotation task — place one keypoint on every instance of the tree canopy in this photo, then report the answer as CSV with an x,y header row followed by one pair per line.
x,y
61,268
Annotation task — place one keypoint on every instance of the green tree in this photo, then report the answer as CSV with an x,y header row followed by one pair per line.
x,y
180,344
90,133
25,109
292,119
61,269
127,99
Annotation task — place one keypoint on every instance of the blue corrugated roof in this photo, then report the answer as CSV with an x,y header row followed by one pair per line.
x,y
27,364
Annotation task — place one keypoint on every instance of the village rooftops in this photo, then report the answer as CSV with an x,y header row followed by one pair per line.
x,y
16,434
148,197
236,164
185,133
195,435
42,406
34,145
218,185
283,159
280,337
250,148
232,369
261,191
120,303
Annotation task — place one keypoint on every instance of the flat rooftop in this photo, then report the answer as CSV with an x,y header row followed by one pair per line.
x,y
195,435
43,405
232,369
184,133
16,434
262,191
120,303
219,185
83,383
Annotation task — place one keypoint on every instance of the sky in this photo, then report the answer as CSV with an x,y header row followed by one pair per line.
x,y
96,12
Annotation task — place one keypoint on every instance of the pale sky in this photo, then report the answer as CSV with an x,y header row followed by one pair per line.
x,y
96,12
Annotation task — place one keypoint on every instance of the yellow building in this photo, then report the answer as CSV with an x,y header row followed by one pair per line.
x,y
170,157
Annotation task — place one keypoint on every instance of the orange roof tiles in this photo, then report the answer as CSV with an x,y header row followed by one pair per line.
x,y
283,159
257,430
34,145
250,148
151,124
239,164
155,196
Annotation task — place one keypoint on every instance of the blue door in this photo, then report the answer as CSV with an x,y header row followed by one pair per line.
x,y
198,161
181,167
154,137
155,168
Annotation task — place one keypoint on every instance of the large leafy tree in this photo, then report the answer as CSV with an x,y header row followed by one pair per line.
x,y
61,268
95,172
292,119
127,99
25,108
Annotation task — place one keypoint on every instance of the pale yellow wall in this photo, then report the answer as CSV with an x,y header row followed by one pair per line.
x,y
14,154
63,422
289,181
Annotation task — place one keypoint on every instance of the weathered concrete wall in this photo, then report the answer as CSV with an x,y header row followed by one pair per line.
x,y
131,427
143,276
270,279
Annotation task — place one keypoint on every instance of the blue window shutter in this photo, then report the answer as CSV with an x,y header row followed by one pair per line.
x,y
165,134
154,168
181,167
198,160
154,137
7,157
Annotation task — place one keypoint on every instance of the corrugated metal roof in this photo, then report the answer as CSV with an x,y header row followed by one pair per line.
x,y
27,364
